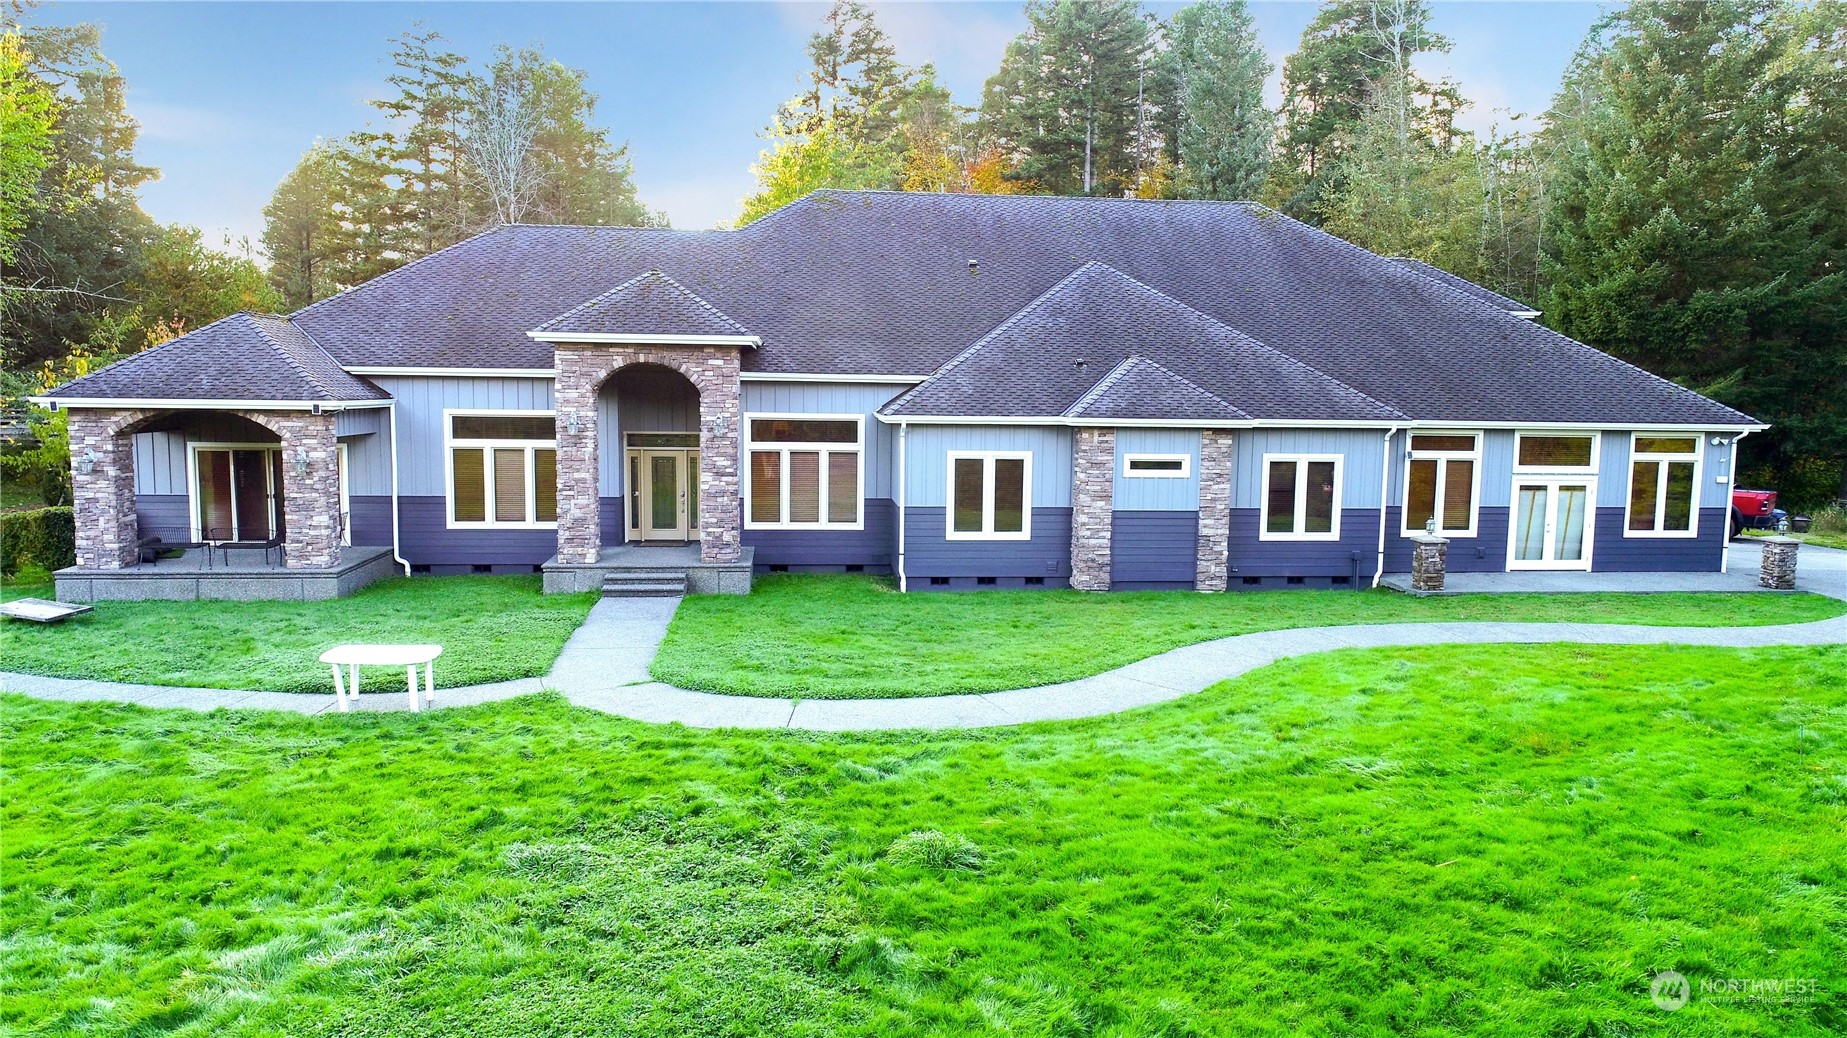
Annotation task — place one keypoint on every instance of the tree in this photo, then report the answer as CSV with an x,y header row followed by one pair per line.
x,y
934,139
1066,104
301,232
855,80
182,284
1216,125
27,126
426,155
1350,48
503,126
797,163
1696,158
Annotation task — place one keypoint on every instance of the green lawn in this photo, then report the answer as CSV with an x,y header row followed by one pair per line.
x,y
1820,540
844,637
1496,840
491,629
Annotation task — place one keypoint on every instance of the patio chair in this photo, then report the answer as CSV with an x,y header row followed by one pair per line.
x,y
265,546
153,547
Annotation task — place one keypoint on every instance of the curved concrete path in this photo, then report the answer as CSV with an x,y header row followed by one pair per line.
x,y
604,667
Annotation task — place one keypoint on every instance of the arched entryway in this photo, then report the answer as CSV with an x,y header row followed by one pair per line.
x,y
651,455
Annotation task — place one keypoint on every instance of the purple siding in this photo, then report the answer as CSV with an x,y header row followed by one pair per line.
x,y
1486,552
370,516
427,540
1250,557
1614,553
166,516
872,547
1153,550
927,554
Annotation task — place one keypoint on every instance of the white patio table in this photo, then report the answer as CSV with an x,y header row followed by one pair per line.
x,y
410,657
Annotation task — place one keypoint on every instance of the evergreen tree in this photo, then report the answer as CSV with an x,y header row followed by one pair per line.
x,y
1697,159
1217,129
301,232
27,126
426,153
1067,104
854,80
181,284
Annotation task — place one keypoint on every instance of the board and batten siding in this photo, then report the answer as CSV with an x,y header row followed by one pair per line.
x,y
422,468
881,440
927,460
1359,470
1157,495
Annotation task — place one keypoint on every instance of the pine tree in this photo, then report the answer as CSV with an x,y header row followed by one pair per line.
x,y
301,231
426,152
1217,129
854,80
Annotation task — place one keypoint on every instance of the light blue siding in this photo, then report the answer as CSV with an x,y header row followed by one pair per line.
x,y
1163,495
927,460
421,400
839,398
160,464
1613,469
1359,470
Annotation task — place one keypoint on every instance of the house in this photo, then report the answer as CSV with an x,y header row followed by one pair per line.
x,y
960,390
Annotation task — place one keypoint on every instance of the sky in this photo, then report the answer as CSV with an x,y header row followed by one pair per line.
x,y
229,95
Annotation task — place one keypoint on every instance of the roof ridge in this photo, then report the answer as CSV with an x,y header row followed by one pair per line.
x,y
637,279
1404,263
143,353
288,354
701,300
1114,375
1121,371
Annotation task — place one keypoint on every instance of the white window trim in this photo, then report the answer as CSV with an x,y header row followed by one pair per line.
x,y
1596,448
450,442
1185,471
1443,457
1698,458
1301,498
748,445
1553,482
987,532
269,474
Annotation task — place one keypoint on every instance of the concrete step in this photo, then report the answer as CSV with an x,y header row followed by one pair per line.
x,y
644,583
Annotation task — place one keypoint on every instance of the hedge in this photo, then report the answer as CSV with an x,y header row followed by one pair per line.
x,y
39,538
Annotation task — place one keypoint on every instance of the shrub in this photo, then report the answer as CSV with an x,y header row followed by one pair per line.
x,y
41,538
934,850
1829,520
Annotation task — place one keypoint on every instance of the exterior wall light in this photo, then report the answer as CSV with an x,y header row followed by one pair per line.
x,y
570,422
1782,527
1430,526
300,462
85,463
718,425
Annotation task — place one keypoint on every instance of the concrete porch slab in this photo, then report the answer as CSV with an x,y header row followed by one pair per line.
x,y
248,577
702,578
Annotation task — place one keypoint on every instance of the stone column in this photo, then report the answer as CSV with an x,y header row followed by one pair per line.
x,y
103,500
1213,566
1429,561
580,516
721,512
311,499
1778,569
1093,492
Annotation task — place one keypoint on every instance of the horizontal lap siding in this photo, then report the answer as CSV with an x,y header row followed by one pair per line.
x,y
1153,548
422,468
166,516
872,547
1484,553
928,554
1251,557
428,541
1614,553
370,517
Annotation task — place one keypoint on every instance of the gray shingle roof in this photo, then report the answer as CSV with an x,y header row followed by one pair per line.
x,y
652,304
1043,359
1465,286
244,356
1140,388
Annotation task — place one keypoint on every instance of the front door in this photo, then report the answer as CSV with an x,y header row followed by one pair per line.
x,y
1550,524
663,494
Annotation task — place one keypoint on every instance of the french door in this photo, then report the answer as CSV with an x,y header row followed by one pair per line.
x,y
1551,524
663,495
237,494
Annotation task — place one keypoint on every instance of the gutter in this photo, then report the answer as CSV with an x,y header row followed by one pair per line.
x,y
1385,496
903,431
1731,489
397,554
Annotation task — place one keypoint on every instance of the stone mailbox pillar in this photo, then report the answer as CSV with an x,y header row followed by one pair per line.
x,y
1429,561
1778,570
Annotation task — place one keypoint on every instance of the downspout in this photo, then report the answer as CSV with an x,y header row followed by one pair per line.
x,y
1731,490
1385,496
903,430
397,555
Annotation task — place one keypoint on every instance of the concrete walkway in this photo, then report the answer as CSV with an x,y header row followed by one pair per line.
x,y
604,666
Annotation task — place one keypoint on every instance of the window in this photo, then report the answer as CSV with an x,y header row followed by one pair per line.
x,y
503,468
1157,466
804,470
1663,480
1440,482
1301,498
988,496
1555,452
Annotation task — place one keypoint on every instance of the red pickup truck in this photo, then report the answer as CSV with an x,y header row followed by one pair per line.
x,y
1753,508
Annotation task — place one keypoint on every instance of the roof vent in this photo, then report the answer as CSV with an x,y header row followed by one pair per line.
x,y
974,266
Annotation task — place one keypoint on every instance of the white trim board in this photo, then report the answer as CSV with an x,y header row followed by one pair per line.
x,y
628,338
159,404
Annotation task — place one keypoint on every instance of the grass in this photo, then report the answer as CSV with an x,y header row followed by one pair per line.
x,y
491,629
1827,528
844,637
1496,840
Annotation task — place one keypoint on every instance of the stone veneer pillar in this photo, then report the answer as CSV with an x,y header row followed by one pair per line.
x,y
713,371
311,501
1778,568
1429,562
1213,565
1093,491
103,500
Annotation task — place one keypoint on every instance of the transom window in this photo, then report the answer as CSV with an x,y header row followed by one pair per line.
x,y
805,471
1157,466
1301,498
503,468
1663,484
1440,482
1555,452
990,496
